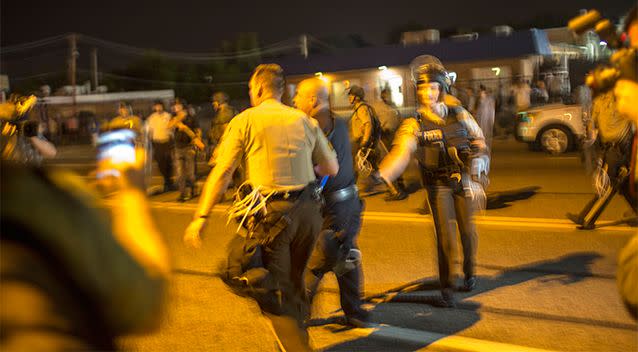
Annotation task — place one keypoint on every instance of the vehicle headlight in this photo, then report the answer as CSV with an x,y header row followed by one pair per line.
x,y
526,117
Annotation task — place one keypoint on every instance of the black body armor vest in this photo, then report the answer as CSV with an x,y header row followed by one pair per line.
x,y
444,148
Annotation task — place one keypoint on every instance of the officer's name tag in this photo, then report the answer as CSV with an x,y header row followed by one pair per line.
x,y
433,135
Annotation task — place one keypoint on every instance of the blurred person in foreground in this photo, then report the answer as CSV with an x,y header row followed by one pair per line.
x,y
626,93
336,249
615,115
70,278
282,149
453,161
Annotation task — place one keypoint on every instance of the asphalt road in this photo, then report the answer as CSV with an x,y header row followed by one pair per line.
x,y
542,283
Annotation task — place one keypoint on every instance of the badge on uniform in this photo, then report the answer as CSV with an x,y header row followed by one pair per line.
x,y
432,136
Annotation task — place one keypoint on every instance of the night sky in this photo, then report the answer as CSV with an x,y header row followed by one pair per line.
x,y
194,26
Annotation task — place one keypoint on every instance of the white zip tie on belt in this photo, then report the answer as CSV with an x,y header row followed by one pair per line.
x,y
253,203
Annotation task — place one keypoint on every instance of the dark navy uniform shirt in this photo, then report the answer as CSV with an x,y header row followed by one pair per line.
x,y
340,139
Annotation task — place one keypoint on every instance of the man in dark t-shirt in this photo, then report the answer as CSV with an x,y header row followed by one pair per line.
x,y
336,249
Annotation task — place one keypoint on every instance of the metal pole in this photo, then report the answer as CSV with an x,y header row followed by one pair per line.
x,y
304,46
73,54
94,79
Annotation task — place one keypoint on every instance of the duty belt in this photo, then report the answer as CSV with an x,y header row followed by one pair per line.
x,y
341,195
286,195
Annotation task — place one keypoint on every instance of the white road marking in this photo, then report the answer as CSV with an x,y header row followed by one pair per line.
x,y
486,220
436,341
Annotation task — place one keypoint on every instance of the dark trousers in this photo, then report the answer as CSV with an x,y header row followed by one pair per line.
x,y
595,207
286,258
341,225
185,159
617,157
163,155
448,203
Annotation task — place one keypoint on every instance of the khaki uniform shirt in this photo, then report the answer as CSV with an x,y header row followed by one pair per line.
x,y
279,145
361,124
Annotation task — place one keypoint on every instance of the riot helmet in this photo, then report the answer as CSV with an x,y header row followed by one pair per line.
x,y
220,97
357,92
427,68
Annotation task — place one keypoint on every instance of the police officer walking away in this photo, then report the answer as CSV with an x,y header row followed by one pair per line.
x,y
279,146
365,134
450,149
365,130
223,114
187,138
336,248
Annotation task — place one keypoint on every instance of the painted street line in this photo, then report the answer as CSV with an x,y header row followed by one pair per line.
x,y
436,341
411,218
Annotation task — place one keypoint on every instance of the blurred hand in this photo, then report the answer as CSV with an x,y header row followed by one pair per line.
x,y
626,93
121,176
192,236
181,126
199,144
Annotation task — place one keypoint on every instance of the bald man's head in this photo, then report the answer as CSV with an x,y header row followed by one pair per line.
x,y
312,96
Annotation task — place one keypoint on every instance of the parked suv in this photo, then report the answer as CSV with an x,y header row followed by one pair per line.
x,y
554,128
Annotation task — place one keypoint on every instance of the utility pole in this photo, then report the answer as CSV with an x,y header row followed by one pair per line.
x,y
304,45
94,68
73,56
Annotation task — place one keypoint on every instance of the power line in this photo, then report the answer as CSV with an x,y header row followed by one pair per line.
x,y
203,55
62,52
144,80
133,50
37,75
31,45
193,57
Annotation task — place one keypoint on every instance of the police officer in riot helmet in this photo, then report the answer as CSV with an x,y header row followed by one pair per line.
x,y
364,132
451,152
